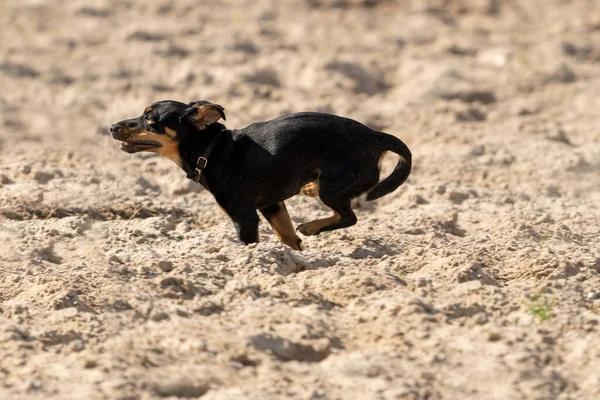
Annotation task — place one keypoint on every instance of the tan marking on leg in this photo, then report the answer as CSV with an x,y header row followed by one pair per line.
x,y
313,227
283,228
311,189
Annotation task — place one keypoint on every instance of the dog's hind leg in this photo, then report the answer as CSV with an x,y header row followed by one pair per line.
x,y
311,189
336,189
342,217
279,219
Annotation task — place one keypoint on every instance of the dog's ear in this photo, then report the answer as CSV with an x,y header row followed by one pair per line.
x,y
202,114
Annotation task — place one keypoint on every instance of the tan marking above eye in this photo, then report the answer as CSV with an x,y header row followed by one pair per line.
x,y
170,132
147,110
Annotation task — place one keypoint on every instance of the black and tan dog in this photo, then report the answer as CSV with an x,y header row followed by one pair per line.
x,y
260,166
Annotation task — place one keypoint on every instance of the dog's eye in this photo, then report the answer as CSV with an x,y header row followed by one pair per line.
x,y
149,119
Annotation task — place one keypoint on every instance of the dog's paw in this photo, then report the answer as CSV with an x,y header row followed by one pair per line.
x,y
308,229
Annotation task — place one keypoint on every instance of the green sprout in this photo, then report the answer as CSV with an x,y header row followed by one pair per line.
x,y
541,307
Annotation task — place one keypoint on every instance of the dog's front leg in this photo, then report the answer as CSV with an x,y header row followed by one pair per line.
x,y
246,224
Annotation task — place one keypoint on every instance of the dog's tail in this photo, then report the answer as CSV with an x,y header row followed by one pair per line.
x,y
400,173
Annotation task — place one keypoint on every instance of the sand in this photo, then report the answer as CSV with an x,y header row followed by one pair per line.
x,y
477,279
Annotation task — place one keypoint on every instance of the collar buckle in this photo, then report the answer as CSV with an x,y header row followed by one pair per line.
x,y
201,163
200,166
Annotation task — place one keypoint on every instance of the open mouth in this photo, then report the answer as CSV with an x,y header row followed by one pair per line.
x,y
139,145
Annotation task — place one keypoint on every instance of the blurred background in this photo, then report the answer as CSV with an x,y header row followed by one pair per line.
x,y
411,67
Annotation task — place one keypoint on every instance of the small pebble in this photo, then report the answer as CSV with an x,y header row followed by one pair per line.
x,y
115,259
418,199
78,345
43,177
494,336
166,266
456,197
591,295
480,318
159,316
5,180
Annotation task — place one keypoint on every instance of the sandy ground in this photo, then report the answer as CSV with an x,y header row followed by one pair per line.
x,y
477,279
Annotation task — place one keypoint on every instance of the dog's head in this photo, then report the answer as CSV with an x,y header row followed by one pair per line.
x,y
164,125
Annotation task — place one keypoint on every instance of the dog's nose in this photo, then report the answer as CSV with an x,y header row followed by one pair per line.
x,y
114,128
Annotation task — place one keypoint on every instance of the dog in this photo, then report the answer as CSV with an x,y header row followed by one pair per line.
x,y
259,167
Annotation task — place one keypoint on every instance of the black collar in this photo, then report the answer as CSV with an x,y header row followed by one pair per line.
x,y
202,162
